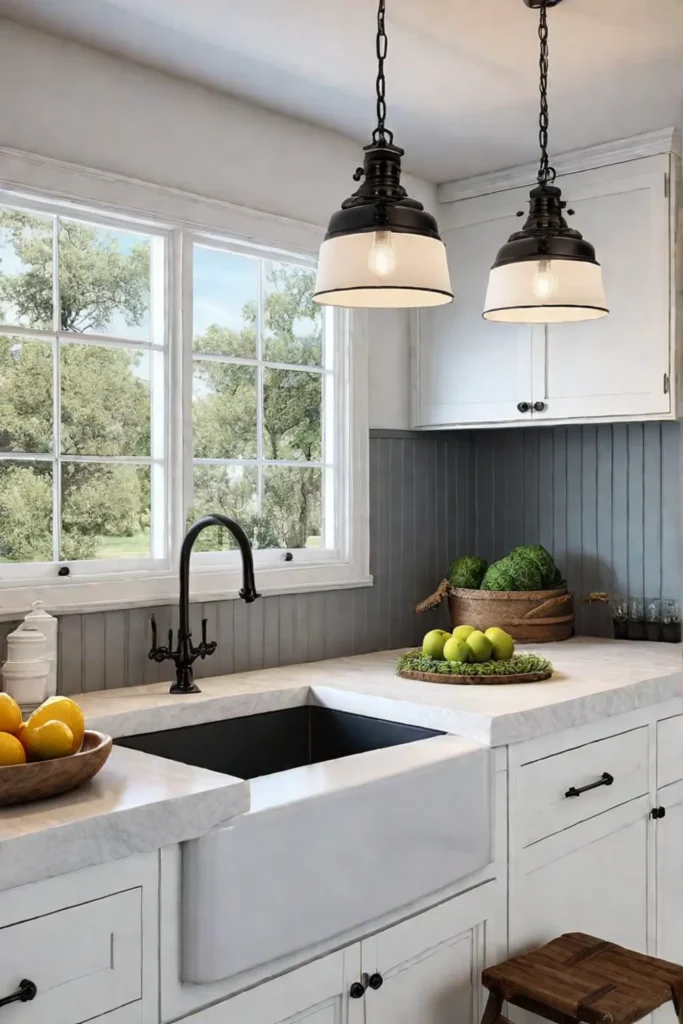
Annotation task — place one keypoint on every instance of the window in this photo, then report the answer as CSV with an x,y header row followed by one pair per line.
x,y
151,374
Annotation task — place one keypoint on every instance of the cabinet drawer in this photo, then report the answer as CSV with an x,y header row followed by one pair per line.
x,y
669,751
542,805
85,961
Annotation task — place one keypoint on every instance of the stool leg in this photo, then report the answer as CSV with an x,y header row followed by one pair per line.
x,y
494,1005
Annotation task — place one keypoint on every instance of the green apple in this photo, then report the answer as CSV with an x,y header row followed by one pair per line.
x,y
480,646
432,644
502,643
462,632
456,650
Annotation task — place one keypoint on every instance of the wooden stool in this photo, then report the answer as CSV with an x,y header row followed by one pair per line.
x,y
580,978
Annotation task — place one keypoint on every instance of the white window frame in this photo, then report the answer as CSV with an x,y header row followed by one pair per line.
x,y
181,219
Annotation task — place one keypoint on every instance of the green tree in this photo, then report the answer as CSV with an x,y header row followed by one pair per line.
x,y
105,403
105,408
96,278
224,416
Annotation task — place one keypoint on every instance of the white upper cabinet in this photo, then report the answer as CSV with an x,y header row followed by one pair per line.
x,y
620,365
468,371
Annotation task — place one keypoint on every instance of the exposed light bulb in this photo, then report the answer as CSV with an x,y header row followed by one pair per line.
x,y
382,255
545,283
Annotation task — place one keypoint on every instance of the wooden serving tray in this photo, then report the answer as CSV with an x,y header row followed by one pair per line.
x,y
439,677
21,783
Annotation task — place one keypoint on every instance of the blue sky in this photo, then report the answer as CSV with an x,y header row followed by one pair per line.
x,y
223,282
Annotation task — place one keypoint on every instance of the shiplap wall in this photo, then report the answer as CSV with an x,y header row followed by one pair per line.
x,y
419,496
605,500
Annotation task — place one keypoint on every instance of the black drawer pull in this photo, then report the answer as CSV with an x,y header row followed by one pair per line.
x,y
24,994
605,780
375,980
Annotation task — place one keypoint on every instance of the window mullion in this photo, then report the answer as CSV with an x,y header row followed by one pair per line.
x,y
56,401
259,389
182,382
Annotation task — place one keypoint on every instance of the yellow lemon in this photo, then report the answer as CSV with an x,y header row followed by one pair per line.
x,y
10,714
53,739
11,750
23,738
61,709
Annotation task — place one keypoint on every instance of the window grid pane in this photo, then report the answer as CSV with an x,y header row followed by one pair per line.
x,y
112,459
288,469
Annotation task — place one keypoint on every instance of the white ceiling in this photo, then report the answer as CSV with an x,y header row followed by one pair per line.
x,y
462,74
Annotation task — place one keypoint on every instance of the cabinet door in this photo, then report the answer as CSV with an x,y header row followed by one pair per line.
x,y
590,878
317,993
469,370
430,965
669,841
615,366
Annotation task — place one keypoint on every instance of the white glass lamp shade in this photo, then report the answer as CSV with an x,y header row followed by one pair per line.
x,y
383,269
545,291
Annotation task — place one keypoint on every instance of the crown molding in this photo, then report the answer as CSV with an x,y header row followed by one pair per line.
x,y
664,140
34,174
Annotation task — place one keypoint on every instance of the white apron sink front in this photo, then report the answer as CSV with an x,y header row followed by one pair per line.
x,y
329,846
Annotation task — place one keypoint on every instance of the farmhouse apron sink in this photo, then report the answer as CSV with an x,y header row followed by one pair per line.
x,y
351,818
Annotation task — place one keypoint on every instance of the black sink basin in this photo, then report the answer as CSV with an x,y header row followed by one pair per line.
x,y
276,741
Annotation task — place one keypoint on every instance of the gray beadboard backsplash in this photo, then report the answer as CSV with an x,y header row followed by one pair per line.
x,y
604,499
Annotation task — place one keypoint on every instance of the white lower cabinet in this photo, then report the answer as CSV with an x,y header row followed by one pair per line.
x,y
428,967
424,969
669,843
593,878
89,943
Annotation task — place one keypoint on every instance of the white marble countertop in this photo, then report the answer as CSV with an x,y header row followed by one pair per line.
x,y
139,802
593,679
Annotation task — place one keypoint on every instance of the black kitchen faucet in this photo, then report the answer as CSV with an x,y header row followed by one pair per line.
x,y
185,654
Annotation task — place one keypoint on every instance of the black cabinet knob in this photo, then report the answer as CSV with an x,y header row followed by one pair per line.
x,y
539,406
658,812
523,406
375,981
25,993
357,991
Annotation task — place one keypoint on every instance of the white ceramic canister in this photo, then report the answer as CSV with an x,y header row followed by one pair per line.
x,y
26,644
48,626
26,681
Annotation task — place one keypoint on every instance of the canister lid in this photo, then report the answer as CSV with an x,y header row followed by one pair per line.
x,y
38,613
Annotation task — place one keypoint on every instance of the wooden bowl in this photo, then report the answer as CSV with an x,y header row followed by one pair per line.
x,y
21,783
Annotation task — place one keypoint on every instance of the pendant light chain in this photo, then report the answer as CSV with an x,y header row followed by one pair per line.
x,y
381,134
545,171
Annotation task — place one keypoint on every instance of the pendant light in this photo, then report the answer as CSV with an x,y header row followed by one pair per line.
x,y
382,249
547,272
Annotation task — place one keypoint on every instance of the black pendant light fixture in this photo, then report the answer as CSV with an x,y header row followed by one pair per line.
x,y
547,272
382,249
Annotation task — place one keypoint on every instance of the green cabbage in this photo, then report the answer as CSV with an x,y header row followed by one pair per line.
x,y
467,571
499,576
537,555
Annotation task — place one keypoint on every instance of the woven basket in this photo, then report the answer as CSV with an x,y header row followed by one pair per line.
x,y
529,616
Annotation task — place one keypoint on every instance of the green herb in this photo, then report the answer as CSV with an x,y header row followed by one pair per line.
x,y
518,664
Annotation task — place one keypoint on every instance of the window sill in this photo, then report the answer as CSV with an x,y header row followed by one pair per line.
x,y
69,596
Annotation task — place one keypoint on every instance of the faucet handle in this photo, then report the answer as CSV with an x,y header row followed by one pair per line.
x,y
157,653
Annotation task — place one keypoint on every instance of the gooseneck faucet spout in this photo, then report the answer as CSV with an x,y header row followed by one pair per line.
x,y
185,654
